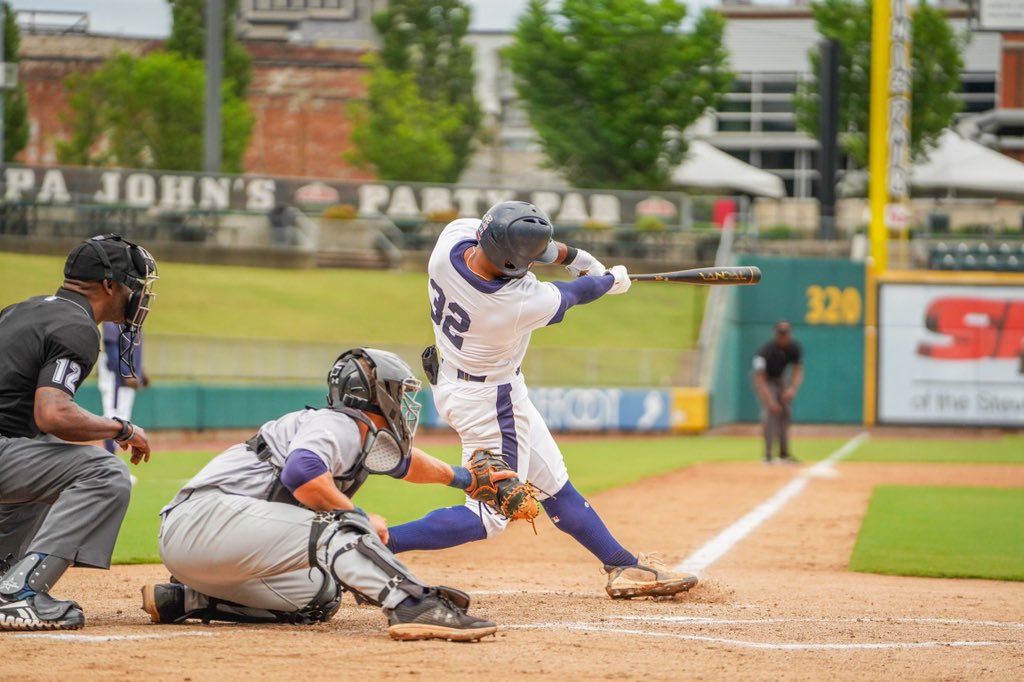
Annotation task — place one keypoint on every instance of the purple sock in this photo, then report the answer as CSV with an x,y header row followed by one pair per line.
x,y
440,528
572,514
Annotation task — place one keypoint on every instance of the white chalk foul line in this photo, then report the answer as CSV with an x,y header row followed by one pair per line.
x,y
525,591
697,620
715,548
748,644
73,637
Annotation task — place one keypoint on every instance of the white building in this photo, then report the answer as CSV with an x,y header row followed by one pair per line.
x,y
768,47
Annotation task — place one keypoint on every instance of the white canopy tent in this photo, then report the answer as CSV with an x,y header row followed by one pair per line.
x,y
960,165
708,168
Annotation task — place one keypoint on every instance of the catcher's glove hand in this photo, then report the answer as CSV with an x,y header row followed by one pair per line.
x,y
497,485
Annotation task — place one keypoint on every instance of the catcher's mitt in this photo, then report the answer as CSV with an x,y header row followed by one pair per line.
x,y
497,485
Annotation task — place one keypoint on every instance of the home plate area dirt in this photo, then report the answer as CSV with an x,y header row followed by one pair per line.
x,y
780,604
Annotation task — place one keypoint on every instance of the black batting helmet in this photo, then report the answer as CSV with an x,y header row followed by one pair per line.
x,y
514,234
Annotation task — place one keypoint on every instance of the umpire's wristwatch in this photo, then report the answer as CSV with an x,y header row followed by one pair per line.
x,y
127,430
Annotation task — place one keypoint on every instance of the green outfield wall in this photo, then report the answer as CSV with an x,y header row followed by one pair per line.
x,y
823,298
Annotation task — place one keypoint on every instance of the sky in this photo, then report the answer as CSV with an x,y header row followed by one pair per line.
x,y
152,18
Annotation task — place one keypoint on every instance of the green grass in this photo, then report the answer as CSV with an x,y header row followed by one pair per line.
x,y
943,532
360,306
595,465
157,481
1008,449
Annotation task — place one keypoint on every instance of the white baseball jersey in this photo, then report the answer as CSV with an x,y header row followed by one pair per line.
x,y
483,327
331,435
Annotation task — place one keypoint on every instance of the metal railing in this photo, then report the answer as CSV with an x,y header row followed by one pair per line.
x,y
180,358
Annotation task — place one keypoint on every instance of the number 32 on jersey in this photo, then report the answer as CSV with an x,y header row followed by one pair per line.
x,y
452,317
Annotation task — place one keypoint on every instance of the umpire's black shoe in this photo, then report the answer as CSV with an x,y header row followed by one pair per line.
x,y
164,602
40,611
436,616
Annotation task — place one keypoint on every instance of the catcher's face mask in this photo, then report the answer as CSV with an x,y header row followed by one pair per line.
x,y
379,383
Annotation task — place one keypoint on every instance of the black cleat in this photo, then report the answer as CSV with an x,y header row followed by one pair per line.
x,y
40,611
436,616
164,602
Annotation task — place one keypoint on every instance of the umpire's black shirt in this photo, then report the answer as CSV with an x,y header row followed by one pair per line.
x,y
777,357
44,341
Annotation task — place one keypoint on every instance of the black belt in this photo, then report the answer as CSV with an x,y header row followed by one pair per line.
x,y
466,376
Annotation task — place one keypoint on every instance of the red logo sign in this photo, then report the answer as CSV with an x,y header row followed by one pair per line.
x,y
975,328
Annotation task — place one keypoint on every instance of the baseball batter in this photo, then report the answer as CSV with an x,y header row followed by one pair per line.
x,y
484,304
267,532
62,501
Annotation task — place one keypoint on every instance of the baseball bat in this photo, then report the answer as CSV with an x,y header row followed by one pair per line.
x,y
741,274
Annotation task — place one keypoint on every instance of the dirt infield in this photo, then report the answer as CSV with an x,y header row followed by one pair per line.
x,y
779,605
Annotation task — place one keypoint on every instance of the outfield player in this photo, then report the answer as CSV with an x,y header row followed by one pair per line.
x,y
267,532
61,502
116,383
485,303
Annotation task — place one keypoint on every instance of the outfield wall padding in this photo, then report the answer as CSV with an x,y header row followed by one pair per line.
x,y
823,298
198,407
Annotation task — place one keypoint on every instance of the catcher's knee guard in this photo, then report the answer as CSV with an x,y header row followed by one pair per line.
x,y
346,547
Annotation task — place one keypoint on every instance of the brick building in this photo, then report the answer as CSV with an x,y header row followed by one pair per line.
x,y
299,96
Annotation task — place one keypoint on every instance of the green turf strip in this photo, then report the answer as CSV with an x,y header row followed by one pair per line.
x,y
1008,449
943,532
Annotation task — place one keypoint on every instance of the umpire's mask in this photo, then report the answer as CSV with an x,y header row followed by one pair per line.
x,y
110,256
379,382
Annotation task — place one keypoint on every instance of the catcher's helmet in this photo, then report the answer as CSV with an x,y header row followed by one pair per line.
x,y
514,234
380,382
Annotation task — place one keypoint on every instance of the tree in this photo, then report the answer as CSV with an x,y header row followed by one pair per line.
x,y
188,38
147,112
936,59
15,101
422,57
609,85
405,136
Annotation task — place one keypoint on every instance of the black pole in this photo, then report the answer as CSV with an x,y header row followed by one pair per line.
x,y
213,54
828,133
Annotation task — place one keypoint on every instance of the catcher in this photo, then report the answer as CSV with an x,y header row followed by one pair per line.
x,y
267,532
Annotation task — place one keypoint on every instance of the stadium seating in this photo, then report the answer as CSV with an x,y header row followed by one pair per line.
x,y
994,256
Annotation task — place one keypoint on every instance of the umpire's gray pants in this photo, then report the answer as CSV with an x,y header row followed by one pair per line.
x,y
256,553
776,424
60,498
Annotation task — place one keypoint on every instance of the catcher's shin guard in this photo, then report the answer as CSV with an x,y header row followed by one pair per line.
x,y
347,548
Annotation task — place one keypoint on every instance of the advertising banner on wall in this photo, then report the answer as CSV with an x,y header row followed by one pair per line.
x,y
951,354
182,191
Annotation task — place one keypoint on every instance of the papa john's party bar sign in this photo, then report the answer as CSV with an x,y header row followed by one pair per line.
x,y
186,191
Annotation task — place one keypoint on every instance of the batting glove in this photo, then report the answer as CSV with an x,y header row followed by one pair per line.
x,y
585,264
622,280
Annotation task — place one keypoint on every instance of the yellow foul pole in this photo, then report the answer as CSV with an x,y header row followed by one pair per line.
x,y
878,140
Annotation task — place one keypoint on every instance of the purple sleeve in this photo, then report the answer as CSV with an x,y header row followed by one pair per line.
x,y
579,291
301,467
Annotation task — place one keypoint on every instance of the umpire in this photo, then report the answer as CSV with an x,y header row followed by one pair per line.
x,y
61,503
773,390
